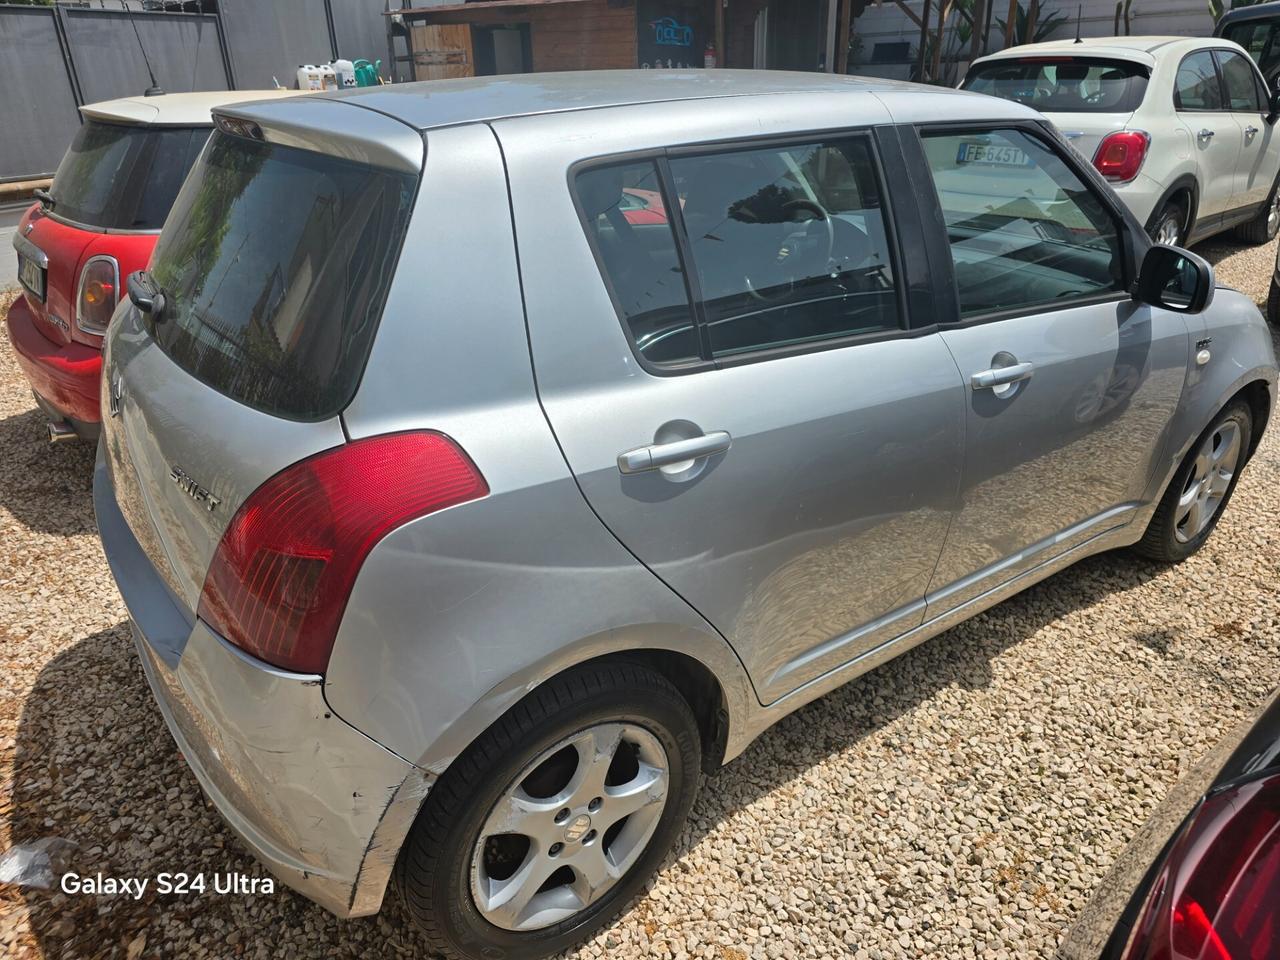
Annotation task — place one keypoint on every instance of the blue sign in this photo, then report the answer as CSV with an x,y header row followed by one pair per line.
x,y
669,32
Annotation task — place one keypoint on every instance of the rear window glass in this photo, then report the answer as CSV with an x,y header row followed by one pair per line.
x,y
1063,84
275,267
119,177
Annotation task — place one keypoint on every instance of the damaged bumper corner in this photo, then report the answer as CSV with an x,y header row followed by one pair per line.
x,y
324,807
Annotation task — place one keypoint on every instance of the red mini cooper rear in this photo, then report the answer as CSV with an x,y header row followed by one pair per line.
x,y
95,226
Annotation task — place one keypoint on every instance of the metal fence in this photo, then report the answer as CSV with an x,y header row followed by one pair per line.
x,y
54,59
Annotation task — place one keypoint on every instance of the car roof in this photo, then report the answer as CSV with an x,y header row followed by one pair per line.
x,y
1137,49
176,109
438,103
1260,11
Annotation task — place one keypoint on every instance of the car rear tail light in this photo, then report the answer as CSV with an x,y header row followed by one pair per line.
x,y
98,294
1216,896
280,579
1119,156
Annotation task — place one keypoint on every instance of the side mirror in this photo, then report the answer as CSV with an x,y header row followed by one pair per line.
x,y
1174,279
145,293
1273,107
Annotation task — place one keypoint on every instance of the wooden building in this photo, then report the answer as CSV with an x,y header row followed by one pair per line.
x,y
484,37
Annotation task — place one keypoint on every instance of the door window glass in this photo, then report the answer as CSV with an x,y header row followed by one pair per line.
x,y
789,244
1196,86
1025,230
1261,38
628,226
1238,75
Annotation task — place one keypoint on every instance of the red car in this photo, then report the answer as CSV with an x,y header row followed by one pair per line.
x,y
95,226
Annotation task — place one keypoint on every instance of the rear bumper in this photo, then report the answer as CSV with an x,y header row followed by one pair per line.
x,y
320,804
64,376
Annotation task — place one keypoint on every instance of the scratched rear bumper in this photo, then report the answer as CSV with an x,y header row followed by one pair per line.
x,y
320,804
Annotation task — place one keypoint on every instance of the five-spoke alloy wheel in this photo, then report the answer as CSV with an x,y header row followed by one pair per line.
x,y
546,826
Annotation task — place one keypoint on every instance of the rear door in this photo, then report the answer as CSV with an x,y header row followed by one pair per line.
x,y
736,387
275,266
1216,137
1246,98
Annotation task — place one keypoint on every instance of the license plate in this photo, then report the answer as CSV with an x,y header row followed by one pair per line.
x,y
992,154
31,276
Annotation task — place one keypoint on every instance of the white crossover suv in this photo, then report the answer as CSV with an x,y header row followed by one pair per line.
x,y
1183,128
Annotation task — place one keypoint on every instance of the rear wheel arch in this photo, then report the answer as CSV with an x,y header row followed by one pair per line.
x,y
1185,192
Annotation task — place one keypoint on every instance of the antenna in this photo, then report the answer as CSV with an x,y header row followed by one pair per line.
x,y
1079,14
154,90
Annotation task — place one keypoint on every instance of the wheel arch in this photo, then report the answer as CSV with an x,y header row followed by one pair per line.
x,y
1185,184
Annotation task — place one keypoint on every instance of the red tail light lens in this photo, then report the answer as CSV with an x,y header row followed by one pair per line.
x,y
1119,156
1218,896
98,294
281,577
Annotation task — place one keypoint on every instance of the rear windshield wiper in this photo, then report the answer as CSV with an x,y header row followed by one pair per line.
x,y
45,197
146,294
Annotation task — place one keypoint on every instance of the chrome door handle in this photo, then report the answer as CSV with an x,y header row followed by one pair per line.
x,y
1205,134
1249,131
1001,376
657,455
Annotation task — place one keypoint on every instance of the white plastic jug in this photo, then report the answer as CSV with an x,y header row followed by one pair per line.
x,y
346,71
309,77
328,77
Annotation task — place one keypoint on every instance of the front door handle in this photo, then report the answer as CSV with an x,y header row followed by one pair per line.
x,y
1250,131
1002,376
657,455
1205,134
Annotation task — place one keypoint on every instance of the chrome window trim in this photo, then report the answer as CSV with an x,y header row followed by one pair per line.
x,y
29,250
91,329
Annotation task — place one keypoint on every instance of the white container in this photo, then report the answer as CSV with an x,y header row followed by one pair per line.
x,y
346,71
328,77
309,77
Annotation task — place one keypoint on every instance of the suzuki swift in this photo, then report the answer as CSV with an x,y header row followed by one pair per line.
x,y
464,521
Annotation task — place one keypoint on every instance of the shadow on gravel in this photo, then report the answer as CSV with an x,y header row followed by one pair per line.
x,y
48,488
95,765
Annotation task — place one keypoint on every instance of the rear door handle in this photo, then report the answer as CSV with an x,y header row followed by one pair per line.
x,y
1205,134
657,455
1250,131
1001,376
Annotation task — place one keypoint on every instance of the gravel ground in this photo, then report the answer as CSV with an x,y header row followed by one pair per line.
x,y
961,801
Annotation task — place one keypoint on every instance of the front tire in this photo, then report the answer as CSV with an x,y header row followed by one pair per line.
x,y
1266,224
1201,489
544,828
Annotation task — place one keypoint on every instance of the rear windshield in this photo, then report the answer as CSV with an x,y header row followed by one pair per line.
x,y
1063,84
118,177
1262,39
275,266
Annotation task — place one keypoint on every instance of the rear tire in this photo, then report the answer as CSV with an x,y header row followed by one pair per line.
x,y
1265,225
491,825
1201,489
1170,224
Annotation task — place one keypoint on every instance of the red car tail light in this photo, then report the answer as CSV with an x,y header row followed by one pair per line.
x,y
281,576
98,294
1119,156
1216,897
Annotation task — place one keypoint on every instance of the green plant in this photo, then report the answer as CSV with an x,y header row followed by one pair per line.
x,y
1025,31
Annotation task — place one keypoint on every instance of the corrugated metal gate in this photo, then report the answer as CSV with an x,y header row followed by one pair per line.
x,y
53,59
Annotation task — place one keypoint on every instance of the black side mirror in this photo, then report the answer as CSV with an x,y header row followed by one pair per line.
x,y
1273,107
145,293
1174,279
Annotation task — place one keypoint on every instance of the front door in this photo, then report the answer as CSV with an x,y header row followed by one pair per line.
x,y
758,430
1070,384
1246,98
1211,130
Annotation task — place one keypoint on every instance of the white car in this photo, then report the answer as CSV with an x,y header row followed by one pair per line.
x,y
1183,128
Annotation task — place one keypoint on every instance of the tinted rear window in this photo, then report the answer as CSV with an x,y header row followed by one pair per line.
x,y
119,177
1063,84
275,266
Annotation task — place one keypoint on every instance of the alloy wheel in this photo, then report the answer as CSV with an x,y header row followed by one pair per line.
x,y
1210,478
1168,230
1273,214
574,822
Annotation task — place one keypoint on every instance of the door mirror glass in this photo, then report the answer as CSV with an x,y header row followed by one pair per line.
x,y
1175,279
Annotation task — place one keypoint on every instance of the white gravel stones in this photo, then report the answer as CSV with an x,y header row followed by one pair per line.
x,y
960,802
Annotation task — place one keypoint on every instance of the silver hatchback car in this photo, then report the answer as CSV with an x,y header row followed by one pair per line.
x,y
486,459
